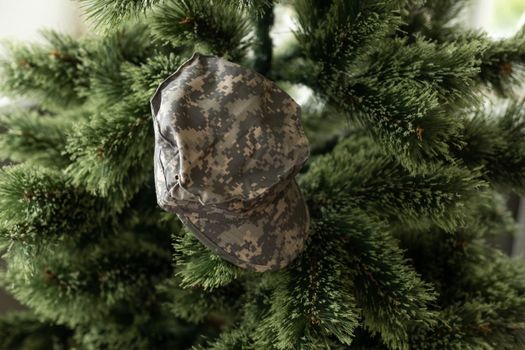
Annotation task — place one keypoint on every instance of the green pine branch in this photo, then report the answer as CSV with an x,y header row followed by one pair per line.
x,y
503,68
106,60
482,300
392,296
494,138
109,13
196,305
111,153
503,61
78,285
41,206
334,32
357,173
219,26
197,266
49,72
397,89
35,137
309,296
23,330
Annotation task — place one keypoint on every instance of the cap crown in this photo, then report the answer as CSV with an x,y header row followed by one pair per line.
x,y
225,132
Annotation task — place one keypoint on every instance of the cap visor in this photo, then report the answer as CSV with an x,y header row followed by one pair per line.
x,y
267,239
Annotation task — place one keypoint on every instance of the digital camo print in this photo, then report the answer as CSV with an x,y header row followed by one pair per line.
x,y
228,144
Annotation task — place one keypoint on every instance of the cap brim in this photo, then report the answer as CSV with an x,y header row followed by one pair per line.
x,y
267,239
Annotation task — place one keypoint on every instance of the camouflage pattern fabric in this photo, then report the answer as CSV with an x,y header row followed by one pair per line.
x,y
228,144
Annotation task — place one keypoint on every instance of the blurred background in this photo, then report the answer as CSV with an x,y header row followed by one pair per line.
x,y
22,20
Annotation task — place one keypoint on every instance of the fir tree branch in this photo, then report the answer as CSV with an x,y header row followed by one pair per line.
x,y
48,72
34,138
481,291
111,12
402,95
333,32
392,296
195,304
24,330
140,330
436,20
79,285
217,26
324,127
503,67
495,139
143,79
66,72
40,206
292,67
236,338
358,173
312,300
397,89
105,63
197,266
112,153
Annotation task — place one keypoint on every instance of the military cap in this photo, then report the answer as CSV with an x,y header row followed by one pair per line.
x,y
228,144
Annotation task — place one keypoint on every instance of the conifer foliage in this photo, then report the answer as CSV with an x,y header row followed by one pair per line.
x,y
403,186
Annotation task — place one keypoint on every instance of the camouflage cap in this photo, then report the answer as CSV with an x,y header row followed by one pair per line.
x,y
228,144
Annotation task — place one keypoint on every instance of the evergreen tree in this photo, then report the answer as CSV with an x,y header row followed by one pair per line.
x,y
403,186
